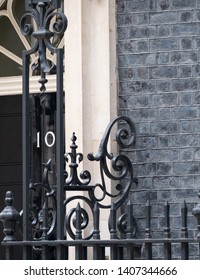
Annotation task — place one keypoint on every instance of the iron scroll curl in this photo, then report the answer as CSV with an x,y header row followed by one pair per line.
x,y
121,166
120,171
43,207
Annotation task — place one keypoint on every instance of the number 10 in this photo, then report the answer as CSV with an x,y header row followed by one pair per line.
x,y
47,141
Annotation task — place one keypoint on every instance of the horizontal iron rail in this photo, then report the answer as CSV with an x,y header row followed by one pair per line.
x,y
120,242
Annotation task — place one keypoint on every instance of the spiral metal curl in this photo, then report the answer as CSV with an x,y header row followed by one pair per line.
x,y
70,221
120,164
122,224
26,28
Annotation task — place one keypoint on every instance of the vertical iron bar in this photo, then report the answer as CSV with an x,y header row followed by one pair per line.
x,y
78,236
113,232
45,229
60,153
96,234
78,222
103,252
167,234
148,245
9,252
137,252
129,235
42,103
66,252
120,252
196,213
113,228
26,153
184,232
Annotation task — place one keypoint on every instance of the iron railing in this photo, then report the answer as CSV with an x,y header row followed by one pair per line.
x,y
116,247
46,220
44,216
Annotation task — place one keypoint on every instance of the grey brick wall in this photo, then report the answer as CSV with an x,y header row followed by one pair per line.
x,y
158,65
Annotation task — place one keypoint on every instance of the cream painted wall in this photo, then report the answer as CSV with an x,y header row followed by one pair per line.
x,y
90,76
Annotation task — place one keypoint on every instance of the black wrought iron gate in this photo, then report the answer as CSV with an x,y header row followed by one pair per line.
x,y
49,226
44,220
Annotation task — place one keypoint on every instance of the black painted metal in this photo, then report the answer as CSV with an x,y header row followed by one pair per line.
x,y
41,13
148,245
9,216
47,217
44,205
184,232
126,248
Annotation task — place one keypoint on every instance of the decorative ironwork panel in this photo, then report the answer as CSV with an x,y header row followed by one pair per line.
x,y
12,41
47,214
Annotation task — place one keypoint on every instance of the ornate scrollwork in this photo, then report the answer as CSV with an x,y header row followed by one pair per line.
x,y
120,164
27,28
46,34
45,205
85,217
43,210
72,179
122,224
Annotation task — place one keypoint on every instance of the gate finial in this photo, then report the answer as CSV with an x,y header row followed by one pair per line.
x,y
9,216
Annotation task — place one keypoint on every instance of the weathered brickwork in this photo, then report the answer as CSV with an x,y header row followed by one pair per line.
x,y
158,65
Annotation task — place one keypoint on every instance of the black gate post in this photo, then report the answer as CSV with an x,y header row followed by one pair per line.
x,y
26,152
60,153
41,13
